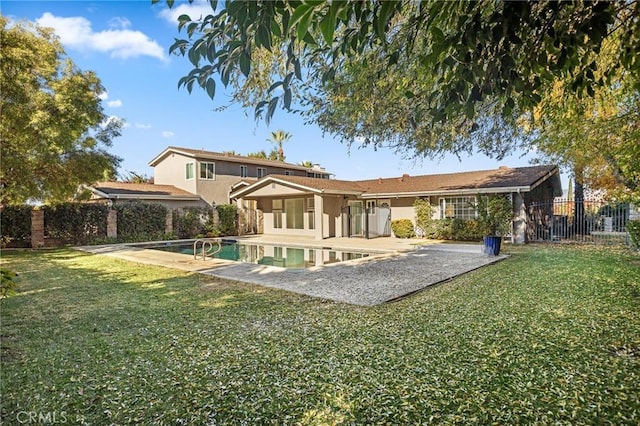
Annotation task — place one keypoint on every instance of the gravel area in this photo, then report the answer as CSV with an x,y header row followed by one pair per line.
x,y
369,281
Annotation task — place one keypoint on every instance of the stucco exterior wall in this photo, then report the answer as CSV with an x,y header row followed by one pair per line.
x,y
402,208
331,216
172,171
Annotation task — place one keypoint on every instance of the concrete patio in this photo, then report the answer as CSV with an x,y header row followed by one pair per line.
x,y
396,267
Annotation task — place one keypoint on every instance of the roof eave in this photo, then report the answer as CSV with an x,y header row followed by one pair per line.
x,y
154,197
466,191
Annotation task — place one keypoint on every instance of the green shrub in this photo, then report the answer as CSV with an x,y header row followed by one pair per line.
x,y
7,284
192,221
633,227
139,221
15,225
495,214
75,223
453,229
423,211
227,219
402,228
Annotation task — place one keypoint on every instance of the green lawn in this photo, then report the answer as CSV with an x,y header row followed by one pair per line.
x,y
551,335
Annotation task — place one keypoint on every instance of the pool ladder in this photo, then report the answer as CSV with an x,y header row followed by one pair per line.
x,y
206,247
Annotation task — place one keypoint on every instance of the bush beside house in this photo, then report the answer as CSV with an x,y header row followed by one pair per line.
x,y
402,228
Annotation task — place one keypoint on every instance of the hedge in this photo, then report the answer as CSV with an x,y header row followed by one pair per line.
x,y
139,221
227,218
15,226
191,222
75,223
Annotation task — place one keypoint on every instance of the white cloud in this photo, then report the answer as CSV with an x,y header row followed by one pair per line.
x,y
115,104
103,96
76,32
143,126
167,134
195,11
119,22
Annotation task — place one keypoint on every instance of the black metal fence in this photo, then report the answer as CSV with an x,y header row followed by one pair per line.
x,y
591,221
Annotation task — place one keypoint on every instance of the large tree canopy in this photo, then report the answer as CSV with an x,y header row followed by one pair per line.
x,y
597,137
426,77
53,131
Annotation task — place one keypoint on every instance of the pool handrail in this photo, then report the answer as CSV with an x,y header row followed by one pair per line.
x,y
206,242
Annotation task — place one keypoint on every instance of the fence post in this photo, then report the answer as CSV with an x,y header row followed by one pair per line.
x,y
37,228
168,222
112,223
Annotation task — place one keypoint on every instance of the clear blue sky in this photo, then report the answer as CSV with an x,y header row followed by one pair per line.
x,y
127,42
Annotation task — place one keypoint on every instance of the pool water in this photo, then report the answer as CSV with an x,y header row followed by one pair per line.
x,y
265,254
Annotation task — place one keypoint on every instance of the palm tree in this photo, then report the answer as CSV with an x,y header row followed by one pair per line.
x,y
278,138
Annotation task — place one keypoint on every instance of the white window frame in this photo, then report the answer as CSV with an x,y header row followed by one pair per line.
x,y
311,213
261,172
244,171
189,167
288,173
371,206
204,169
276,211
460,207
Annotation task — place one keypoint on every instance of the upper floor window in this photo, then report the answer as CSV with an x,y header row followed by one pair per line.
x,y
189,171
208,171
288,173
244,171
262,172
458,208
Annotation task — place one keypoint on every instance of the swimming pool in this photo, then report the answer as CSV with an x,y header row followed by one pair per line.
x,y
267,254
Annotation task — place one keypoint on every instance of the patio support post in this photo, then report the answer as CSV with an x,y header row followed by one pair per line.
x,y
518,235
318,205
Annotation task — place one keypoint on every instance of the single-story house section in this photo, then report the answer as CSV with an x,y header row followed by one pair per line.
x,y
167,195
323,208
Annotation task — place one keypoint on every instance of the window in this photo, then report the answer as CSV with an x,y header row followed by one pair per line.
x,y
458,208
311,215
288,173
294,208
371,206
262,172
208,171
244,171
189,171
276,208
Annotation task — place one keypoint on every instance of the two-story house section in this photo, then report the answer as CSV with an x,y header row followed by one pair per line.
x,y
211,175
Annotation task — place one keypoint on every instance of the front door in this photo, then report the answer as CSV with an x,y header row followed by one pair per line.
x,y
356,228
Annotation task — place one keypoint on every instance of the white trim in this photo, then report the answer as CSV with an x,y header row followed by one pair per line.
x,y
202,163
